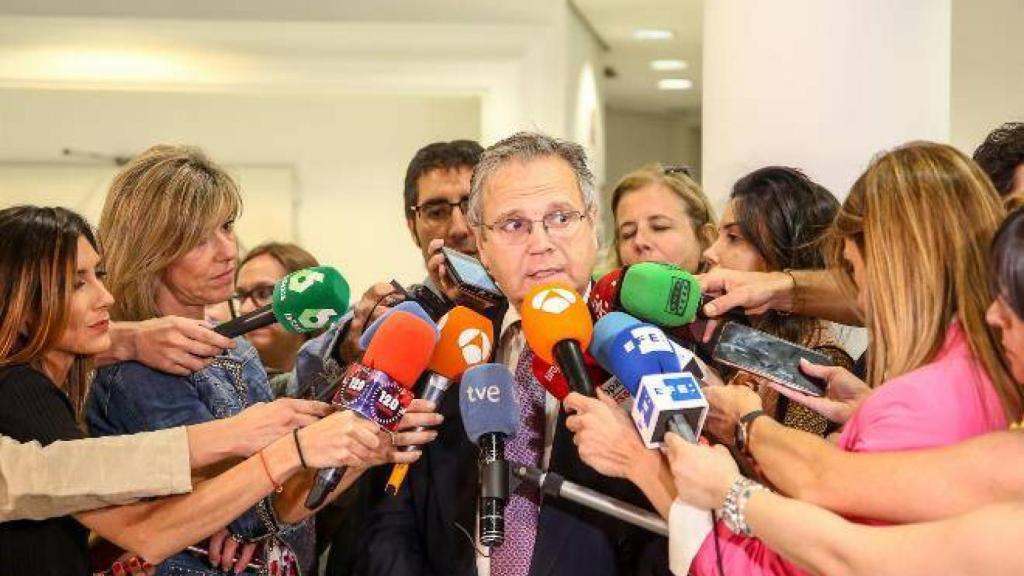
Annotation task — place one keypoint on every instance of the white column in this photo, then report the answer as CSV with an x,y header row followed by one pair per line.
x,y
820,85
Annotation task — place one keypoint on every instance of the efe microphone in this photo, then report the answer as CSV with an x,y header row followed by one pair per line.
x,y
304,301
378,389
557,326
490,414
466,340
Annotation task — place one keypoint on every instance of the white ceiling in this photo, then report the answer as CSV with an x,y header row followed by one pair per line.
x,y
635,87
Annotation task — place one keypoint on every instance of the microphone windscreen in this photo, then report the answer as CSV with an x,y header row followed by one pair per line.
x,y
604,294
639,351
553,313
401,347
607,328
488,401
310,299
660,293
467,338
407,306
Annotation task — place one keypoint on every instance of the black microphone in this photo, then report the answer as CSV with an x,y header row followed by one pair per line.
x,y
555,485
490,414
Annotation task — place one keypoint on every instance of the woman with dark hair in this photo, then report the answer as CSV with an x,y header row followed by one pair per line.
x,y
54,318
775,221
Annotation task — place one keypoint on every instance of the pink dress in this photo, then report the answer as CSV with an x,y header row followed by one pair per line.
x,y
943,402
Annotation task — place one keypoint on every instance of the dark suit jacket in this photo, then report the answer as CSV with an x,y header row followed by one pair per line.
x,y
430,527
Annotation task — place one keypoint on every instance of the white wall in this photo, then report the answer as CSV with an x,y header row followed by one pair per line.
x,y
348,153
636,138
988,69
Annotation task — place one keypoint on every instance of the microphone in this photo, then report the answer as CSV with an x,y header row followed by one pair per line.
x,y
409,306
661,377
490,414
379,388
555,485
466,340
304,301
558,328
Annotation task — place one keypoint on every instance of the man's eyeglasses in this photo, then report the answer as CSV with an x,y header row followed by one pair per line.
x,y
260,295
558,224
439,211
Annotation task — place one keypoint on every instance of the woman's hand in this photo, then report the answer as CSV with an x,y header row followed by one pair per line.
x,y
843,394
262,423
341,439
703,474
227,553
604,434
394,445
727,404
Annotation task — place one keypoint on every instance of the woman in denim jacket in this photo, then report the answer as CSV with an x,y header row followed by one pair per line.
x,y
169,245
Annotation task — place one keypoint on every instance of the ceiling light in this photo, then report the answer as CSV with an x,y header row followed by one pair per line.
x,y
668,65
645,34
675,84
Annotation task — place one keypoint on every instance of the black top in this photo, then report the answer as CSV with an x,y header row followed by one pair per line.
x,y
33,408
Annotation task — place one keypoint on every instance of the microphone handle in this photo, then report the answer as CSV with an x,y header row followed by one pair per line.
x,y
493,489
436,386
569,356
326,481
680,426
263,316
557,486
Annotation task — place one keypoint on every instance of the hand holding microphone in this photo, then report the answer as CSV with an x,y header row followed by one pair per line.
x,y
378,389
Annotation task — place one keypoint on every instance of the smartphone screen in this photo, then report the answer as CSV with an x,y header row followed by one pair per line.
x,y
770,357
469,270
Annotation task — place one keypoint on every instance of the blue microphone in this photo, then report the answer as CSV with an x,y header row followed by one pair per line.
x,y
490,414
607,328
407,306
661,378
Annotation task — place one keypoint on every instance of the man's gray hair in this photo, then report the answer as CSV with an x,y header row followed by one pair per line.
x,y
524,146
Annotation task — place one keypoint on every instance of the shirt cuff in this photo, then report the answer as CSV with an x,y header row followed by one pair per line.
x,y
687,529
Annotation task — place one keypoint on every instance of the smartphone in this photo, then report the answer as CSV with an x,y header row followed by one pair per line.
x,y
770,357
472,279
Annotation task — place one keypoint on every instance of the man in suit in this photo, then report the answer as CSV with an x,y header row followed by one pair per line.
x,y
534,209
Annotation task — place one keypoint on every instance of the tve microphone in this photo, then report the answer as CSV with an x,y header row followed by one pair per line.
x,y
490,414
659,375
466,340
555,485
558,328
379,388
304,301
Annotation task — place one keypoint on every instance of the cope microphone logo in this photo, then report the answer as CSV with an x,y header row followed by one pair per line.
x,y
678,296
475,346
553,300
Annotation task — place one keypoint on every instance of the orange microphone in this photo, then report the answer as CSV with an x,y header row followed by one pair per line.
x,y
466,340
558,328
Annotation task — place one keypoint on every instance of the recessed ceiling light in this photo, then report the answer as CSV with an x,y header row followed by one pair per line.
x,y
653,34
675,84
668,65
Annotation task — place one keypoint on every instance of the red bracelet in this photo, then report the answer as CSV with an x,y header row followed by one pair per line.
x,y
266,468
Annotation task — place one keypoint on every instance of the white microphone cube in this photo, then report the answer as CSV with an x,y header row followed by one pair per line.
x,y
662,396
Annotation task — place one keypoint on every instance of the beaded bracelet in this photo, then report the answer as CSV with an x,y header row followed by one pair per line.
x,y
736,503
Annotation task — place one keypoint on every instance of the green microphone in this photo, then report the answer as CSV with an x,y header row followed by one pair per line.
x,y
661,294
306,300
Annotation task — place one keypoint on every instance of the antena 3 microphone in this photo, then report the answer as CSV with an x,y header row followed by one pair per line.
x,y
558,328
306,300
466,340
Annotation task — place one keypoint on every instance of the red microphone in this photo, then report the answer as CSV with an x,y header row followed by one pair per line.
x,y
379,389
604,294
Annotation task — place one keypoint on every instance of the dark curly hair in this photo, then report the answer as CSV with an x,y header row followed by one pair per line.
x,y
1000,155
446,155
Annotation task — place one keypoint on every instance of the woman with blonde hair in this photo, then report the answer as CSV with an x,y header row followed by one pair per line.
x,y
912,240
167,230
54,319
661,215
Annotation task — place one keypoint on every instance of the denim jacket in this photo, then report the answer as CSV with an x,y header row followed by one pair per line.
x,y
316,368
128,397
